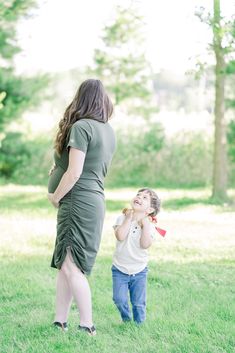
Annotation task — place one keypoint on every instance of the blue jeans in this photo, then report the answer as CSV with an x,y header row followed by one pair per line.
x,y
136,286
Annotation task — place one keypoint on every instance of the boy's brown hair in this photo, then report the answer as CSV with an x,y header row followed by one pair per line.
x,y
155,202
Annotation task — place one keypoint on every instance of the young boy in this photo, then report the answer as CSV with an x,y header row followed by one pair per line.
x,y
135,233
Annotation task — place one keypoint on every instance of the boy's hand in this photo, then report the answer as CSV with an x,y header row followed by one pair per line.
x,y
128,213
143,221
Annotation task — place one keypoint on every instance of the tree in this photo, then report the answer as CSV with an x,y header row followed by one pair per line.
x,y
17,93
121,63
220,154
230,101
222,48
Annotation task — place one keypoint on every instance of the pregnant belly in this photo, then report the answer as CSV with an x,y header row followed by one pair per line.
x,y
55,178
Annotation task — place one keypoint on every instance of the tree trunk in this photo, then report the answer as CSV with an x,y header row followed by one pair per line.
x,y
220,154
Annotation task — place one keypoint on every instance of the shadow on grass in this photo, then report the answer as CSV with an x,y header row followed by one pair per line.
x,y
24,201
182,202
173,204
21,201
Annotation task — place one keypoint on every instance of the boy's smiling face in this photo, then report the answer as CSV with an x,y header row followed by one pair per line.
x,y
142,203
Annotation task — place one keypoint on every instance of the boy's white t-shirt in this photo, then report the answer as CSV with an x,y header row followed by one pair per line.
x,y
129,257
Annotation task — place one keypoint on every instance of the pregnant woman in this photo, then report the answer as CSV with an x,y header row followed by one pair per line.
x,y
84,147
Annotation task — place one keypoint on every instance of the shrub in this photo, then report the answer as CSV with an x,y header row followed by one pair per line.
x,y
143,157
13,153
148,158
24,161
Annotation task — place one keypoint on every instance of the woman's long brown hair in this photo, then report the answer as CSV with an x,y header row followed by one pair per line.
x,y
91,101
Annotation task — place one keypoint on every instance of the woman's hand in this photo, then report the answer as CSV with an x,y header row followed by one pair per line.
x,y
51,198
52,169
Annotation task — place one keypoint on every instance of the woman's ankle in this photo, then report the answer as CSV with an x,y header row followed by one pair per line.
x,y
86,323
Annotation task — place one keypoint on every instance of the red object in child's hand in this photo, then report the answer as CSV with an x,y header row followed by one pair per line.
x,y
161,231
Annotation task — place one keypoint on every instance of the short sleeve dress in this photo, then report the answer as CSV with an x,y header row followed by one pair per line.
x,y
81,211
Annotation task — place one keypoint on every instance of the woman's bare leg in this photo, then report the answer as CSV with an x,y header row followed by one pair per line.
x,y
63,298
80,289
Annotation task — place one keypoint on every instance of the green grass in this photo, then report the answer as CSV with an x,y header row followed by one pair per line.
x,y
191,287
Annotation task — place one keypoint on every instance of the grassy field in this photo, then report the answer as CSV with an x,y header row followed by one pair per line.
x,y
191,284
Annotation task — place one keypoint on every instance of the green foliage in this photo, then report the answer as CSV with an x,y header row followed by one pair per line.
x,y
2,96
231,140
13,153
186,161
24,161
231,150
230,72
121,63
147,158
10,12
134,154
230,69
143,157
20,93
35,171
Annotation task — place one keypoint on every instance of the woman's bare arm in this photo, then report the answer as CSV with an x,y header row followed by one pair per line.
x,y
70,177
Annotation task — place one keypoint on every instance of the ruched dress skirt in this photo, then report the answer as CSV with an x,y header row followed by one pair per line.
x,y
79,226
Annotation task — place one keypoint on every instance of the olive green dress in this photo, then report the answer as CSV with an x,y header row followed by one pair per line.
x,y
81,211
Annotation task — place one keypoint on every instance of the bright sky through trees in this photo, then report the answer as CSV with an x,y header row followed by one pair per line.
x,y
64,33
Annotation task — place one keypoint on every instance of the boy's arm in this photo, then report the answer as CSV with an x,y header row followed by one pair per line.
x,y
145,239
122,231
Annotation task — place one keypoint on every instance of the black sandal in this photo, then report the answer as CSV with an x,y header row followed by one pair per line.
x,y
90,330
63,326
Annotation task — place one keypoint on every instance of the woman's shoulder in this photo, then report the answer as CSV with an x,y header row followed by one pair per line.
x,y
82,123
93,127
88,123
